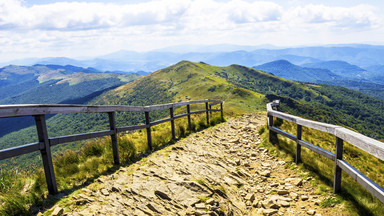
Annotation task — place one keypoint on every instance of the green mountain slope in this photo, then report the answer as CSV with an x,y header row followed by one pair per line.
x,y
335,105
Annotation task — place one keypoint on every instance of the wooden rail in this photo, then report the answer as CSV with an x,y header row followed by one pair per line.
x,y
44,144
367,144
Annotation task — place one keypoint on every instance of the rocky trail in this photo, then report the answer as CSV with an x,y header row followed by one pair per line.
x,y
218,171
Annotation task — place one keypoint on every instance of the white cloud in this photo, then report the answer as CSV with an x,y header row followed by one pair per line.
x,y
243,12
360,16
77,27
82,16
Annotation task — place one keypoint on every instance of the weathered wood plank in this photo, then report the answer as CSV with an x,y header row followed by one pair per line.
x,y
288,135
221,111
298,146
19,150
112,127
198,111
214,101
270,125
160,121
207,112
189,117
131,128
190,102
42,134
317,149
172,123
149,136
337,173
364,181
72,138
318,125
180,116
29,110
284,116
372,146
7,111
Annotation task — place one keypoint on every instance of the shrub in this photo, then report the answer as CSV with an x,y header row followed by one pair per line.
x,y
92,149
127,149
181,130
68,158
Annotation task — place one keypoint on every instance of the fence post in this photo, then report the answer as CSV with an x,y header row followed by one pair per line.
x,y
210,110
221,111
270,124
337,175
112,126
148,123
298,146
46,154
172,123
207,112
189,117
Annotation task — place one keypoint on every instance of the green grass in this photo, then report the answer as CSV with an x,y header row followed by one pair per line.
x,y
356,199
20,189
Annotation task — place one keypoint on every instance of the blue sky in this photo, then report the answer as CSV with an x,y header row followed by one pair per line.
x,y
42,28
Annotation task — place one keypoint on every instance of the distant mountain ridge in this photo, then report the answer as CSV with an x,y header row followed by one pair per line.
x,y
340,68
221,55
287,70
337,73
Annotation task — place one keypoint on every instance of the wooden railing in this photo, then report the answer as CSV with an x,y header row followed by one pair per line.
x,y
367,144
44,144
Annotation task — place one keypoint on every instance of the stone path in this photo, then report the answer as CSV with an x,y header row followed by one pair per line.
x,y
219,171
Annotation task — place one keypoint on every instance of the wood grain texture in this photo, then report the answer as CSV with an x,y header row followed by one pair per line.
x,y
7,111
19,150
364,181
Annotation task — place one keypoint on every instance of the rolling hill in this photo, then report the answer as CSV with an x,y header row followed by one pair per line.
x,y
287,70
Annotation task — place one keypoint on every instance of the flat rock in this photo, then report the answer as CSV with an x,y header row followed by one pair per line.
x,y
269,211
58,211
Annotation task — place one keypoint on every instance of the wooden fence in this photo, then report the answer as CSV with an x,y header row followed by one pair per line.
x,y
367,144
44,144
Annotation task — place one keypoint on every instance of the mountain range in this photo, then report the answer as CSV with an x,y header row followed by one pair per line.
x,y
365,56
338,73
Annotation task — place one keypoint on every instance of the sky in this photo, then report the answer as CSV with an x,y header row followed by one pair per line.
x,y
50,28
